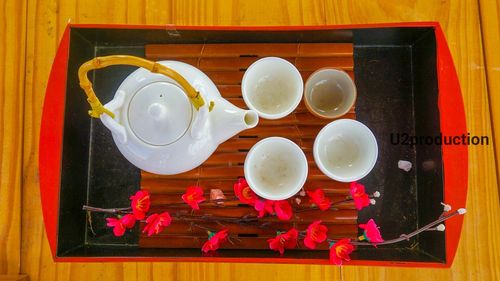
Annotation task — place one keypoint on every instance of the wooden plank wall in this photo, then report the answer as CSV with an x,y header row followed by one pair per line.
x,y
477,257
12,63
490,30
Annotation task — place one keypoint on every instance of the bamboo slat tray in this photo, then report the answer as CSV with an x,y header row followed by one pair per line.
x,y
225,64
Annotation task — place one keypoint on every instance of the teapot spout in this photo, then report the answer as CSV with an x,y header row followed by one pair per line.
x,y
228,120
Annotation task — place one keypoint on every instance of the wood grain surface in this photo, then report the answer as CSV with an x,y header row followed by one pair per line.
x,y
12,60
16,277
490,29
477,257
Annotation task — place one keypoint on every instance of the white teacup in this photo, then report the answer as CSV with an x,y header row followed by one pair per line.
x,y
273,87
345,150
276,168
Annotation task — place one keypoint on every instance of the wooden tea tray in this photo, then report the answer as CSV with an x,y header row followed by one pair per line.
x,y
225,64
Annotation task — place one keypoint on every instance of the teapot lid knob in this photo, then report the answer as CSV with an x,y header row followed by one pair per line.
x,y
159,113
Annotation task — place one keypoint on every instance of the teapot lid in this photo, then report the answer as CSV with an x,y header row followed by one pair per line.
x,y
159,113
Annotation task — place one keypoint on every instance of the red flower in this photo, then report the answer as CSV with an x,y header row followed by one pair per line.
x,y
341,251
318,198
244,193
156,223
120,225
284,241
263,207
214,241
128,220
140,204
316,233
283,209
193,196
371,233
359,196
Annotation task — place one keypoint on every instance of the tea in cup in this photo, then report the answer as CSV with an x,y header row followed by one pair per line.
x,y
329,93
276,168
272,87
345,150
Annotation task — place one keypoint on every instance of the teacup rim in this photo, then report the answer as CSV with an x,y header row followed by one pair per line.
x,y
292,192
327,172
296,102
311,109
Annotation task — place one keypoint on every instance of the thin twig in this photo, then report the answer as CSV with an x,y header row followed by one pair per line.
x,y
313,208
110,211
404,237
89,219
192,224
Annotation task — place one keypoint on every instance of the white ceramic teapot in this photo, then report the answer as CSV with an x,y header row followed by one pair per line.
x,y
166,117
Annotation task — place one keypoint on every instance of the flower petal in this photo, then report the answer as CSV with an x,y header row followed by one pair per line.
x,y
283,210
128,220
309,243
341,251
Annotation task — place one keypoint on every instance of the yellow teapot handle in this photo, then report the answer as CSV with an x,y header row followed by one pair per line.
x,y
101,62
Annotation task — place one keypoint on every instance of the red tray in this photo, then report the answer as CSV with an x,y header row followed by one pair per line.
x,y
71,174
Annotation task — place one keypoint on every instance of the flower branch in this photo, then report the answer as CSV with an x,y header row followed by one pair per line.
x,y
109,211
316,232
404,237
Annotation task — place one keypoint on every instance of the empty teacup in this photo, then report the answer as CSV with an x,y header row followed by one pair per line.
x,y
345,150
329,93
273,87
275,168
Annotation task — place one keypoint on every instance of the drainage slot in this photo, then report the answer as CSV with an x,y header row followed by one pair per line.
x,y
248,235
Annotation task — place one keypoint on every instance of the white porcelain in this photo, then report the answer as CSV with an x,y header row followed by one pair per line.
x,y
345,150
329,93
276,168
272,87
158,130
